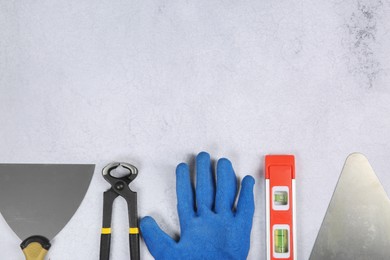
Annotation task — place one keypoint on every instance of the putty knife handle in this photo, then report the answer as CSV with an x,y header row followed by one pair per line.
x,y
35,247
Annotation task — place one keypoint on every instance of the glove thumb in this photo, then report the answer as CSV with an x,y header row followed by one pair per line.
x,y
157,241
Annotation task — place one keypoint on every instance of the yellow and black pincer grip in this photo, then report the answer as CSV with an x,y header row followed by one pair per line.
x,y
35,247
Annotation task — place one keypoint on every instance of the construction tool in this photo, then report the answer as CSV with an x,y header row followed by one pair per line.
x,y
37,200
357,223
120,187
280,207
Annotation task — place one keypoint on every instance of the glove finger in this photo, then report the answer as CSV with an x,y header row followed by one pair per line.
x,y
226,186
184,193
156,240
246,204
205,190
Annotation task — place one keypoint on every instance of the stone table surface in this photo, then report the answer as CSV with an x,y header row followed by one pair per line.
x,y
155,82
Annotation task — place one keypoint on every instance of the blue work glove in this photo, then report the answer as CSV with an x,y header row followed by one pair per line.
x,y
211,228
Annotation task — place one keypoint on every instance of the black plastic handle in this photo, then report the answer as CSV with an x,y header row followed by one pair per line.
x,y
105,241
134,246
45,243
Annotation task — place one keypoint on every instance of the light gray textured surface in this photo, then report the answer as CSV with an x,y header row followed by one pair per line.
x,y
154,82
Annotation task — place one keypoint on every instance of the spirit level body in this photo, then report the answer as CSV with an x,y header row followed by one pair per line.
x,y
280,207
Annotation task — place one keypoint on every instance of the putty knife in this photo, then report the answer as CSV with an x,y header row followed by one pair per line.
x,y
357,223
37,200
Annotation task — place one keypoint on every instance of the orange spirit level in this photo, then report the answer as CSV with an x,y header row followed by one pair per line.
x,y
280,207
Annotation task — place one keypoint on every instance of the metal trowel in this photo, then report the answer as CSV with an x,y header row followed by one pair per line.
x,y
357,223
37,200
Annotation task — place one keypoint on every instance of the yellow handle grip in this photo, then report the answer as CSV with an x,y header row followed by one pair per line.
x,y
35,247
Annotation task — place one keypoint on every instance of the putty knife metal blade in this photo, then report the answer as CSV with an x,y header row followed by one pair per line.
x,y
357,223
39,199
